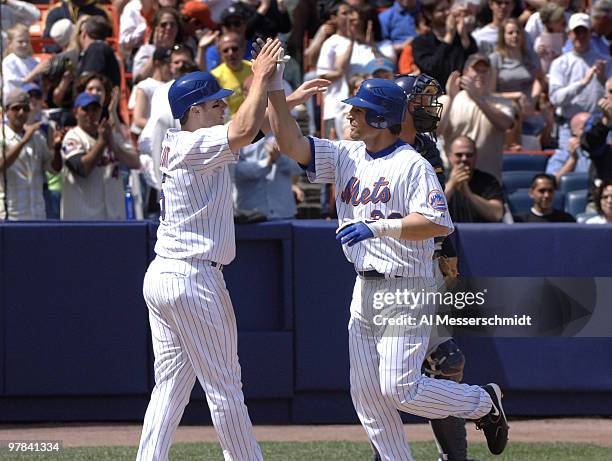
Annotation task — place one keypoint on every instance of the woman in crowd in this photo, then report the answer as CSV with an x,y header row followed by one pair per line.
x,y
549,43
166,31
603,204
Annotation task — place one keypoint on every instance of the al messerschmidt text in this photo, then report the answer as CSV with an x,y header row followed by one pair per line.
x,y
447,320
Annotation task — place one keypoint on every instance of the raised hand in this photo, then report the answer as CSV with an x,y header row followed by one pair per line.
x,y
29,131
308,89
208,38
453,84
264,64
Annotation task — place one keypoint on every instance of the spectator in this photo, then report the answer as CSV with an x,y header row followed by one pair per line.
x,y
472,194
140,100
134,19
343,54
72,10
597,140
264,180
536,23
515,69
93,187
19,62
398,23
150,140
381,68
266,18
217,8
325,30
577,77
603,204
97,55
233,19
471,110
196,20
486,37
232,73
52,188
571,158
601,17
447,45
27,158
549,42
166,30
542,191
13,12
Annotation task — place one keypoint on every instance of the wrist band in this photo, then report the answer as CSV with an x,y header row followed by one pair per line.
x,y
386,228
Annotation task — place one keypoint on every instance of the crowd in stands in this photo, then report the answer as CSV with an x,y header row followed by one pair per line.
x,y
524,131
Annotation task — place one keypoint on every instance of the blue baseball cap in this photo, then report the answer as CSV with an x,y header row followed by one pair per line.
x,y
85,99
27,87
379,64
192,89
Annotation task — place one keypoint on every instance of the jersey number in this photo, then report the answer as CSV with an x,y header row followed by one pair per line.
x,y
377,214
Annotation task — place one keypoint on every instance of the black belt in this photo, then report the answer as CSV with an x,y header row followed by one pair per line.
x,y
217,265
375,275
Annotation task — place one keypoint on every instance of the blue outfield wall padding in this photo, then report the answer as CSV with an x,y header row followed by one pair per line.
x,y
76,323
324,282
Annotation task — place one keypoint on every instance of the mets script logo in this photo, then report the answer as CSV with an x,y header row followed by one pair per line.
x,y
435,200
351,194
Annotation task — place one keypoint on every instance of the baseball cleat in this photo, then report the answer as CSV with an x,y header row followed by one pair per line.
x,y
494,424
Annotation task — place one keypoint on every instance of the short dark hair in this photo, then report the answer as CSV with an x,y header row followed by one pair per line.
x,y
98,28
599,192
184,118
548,177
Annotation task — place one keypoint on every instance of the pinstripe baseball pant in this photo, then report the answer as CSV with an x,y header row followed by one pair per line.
x,y
386,367
194,335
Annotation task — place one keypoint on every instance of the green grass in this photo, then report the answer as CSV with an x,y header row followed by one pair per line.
x,y
331,451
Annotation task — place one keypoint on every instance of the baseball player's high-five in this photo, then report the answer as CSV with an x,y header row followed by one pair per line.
x,y
390,207
192,320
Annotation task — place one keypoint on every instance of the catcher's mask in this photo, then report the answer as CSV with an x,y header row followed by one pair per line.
x,y
423,92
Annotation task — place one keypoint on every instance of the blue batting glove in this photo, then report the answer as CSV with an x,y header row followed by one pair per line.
x,y
354,233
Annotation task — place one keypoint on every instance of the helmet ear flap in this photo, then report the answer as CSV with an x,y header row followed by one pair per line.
x,y
376,120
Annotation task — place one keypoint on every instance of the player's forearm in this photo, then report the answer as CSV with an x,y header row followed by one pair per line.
x,y
248,120
415,226
288,136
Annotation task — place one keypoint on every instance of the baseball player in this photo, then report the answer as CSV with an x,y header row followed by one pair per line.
x,y
390,207
192,320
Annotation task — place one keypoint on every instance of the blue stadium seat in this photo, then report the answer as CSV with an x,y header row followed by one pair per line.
x,y
524,162
514,180
574,181
520,202
582,217
576,202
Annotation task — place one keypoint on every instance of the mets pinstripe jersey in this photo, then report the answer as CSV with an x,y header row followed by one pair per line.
x,y
388,184
196,219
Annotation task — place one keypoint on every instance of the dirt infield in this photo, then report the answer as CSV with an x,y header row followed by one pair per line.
x,y
582,430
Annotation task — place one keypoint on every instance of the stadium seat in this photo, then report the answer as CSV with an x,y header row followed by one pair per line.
x,y
576,201
520,202
514,180
582,217
524,162
574,181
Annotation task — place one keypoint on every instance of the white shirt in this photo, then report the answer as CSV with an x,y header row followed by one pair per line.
x,y
333,47
148,86
599,219
197,213
132,26
393,186
144,53
14,70
99,196
25,177
150,140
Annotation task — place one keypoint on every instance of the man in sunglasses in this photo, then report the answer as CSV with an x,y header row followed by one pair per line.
x,y
26,156
234,20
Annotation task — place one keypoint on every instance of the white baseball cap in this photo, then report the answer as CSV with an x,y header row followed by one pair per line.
x,y
579,20
61,32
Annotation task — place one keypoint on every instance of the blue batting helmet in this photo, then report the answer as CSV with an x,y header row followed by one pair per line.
x,y
194,88
384,100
